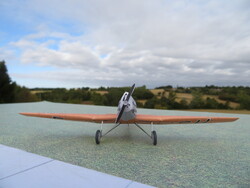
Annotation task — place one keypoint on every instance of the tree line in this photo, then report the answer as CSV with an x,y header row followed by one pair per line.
x,y
112,96
11,92
85,95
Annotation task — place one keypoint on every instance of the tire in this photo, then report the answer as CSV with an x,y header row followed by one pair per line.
x,y
98,137
154,137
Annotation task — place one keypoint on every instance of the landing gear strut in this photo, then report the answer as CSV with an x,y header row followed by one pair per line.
x,y
153,135
99,135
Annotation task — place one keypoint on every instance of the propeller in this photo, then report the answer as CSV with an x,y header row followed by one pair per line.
x,y
130,92
125,103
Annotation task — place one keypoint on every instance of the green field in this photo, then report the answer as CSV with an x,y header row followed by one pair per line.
x,y
201,155
221,111
189,97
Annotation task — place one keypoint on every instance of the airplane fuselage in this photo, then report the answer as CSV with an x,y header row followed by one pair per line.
x,y
130,109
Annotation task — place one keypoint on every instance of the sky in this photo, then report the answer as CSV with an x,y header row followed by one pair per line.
x,y
82,43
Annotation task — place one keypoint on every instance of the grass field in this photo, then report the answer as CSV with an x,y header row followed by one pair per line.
x,y
188,97
101,92
201,155
39,91
221,111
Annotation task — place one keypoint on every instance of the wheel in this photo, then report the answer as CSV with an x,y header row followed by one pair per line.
x,y
98,137
154,137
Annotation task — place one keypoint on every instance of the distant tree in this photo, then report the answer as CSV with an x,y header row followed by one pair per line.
x,y
244,100
10,91
228,97
151,103
164,102
197,101
139,104
168,87
7,87
170,102
101,88
141,93
211,103
172,96
22,94
184,104
85,88
86,95
98,99
114,95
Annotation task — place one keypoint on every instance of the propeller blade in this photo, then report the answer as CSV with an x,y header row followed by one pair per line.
x,y
130,92
120,114
124,105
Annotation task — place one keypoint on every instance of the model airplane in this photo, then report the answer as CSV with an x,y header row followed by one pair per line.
x,y
127,114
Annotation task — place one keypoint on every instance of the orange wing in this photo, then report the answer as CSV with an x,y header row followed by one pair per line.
x,y
95,118
147,119
140,118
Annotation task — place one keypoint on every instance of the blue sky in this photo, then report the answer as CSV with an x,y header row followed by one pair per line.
x,y
60,43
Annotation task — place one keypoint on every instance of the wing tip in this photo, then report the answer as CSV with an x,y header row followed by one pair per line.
x,y
23,113
226,119
26,114
235,118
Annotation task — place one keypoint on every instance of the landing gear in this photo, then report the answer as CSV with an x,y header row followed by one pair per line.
x,y
98,135
154,137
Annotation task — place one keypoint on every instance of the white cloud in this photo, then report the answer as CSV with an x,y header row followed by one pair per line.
x,y
5,53
149,42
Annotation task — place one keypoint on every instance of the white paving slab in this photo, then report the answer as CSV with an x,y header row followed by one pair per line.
x,y
25,170
13,161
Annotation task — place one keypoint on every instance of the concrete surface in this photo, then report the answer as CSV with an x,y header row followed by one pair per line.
x,y
20,169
